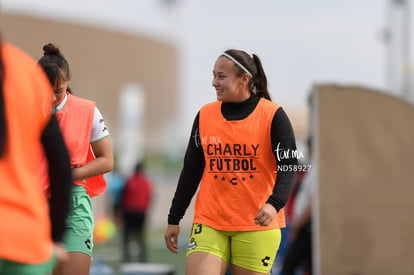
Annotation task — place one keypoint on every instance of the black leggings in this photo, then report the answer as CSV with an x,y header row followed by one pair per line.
x,y
134,223
299,253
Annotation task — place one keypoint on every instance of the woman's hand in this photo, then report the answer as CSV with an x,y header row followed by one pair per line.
x,y
265,215
61,254
171,237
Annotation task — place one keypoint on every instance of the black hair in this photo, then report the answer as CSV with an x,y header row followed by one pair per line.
x,y
2,107
258,82
53,56
52,72
139,166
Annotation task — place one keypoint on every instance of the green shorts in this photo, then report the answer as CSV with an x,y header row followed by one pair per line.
x,y
15,268
79,223
251,250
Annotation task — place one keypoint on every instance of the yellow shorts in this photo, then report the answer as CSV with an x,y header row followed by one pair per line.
x,y
252,250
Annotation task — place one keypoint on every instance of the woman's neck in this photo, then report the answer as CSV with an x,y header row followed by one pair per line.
x,y
239,110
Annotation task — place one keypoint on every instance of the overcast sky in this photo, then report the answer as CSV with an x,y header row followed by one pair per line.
x,y
300,42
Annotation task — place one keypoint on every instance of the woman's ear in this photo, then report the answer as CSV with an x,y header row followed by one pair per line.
x,y
245,79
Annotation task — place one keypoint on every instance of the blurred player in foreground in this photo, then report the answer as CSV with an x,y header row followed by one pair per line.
x,y
30,240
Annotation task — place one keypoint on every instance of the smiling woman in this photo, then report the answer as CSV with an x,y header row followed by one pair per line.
x,y
239,206
234,82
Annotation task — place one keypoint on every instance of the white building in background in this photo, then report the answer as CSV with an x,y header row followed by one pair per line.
x,y
130,144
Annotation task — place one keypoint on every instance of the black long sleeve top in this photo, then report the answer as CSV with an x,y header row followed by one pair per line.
x,y
281,136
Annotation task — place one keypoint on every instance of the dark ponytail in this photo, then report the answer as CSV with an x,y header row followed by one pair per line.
x,y
258,81
2,108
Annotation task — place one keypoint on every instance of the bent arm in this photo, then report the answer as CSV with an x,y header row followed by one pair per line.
x,y
283,138
190,176
102,163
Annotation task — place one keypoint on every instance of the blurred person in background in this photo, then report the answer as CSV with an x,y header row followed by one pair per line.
x,y
236,145
31,232
284,244
87,139
298,257
116,183
135,202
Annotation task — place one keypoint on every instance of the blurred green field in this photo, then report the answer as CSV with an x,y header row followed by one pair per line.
x,y
110,253
164,173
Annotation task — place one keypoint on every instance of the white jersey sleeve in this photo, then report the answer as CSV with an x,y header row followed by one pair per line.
x,y
99,129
